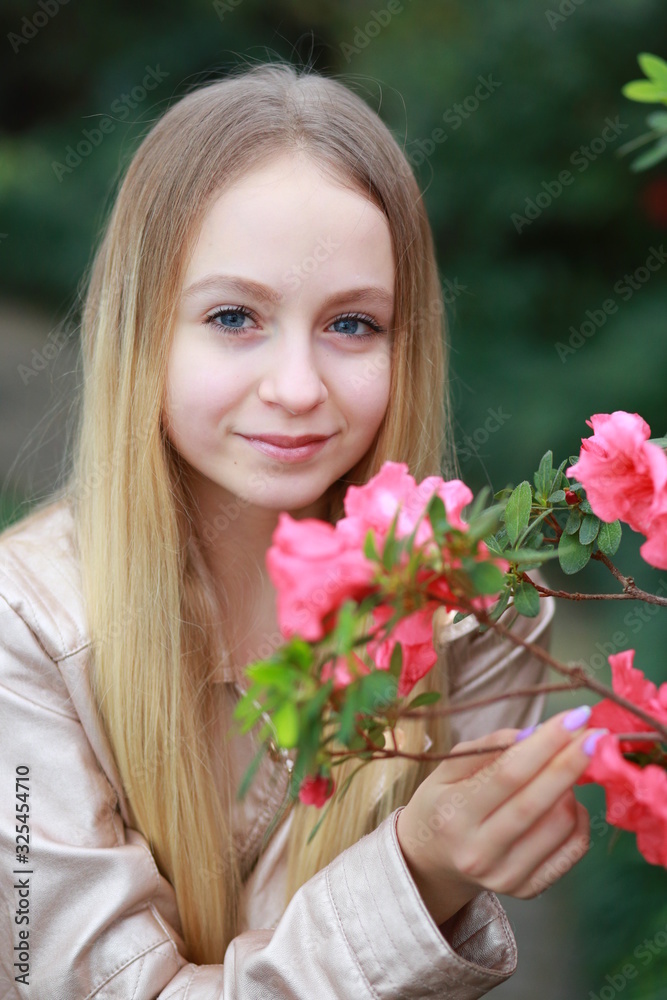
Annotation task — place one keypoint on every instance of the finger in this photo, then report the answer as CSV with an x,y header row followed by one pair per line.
x,y
512,859
463,763
561,861
520,811
518,766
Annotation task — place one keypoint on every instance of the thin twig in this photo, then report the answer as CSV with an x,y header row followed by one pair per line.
x,y
630,593
624,581
381,753
651,737
417,713
589,681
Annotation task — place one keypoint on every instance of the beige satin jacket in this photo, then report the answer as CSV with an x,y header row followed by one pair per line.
x,y
103,921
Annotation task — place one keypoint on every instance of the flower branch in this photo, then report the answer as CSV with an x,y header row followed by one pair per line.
x,y
631,593
356,602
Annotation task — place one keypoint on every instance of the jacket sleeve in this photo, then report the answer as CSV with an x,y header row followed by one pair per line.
x,y
100,918
484,664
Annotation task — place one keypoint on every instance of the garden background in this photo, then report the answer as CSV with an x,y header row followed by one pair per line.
x,y
512,115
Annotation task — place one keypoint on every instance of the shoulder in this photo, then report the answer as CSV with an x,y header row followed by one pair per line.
x,y
40,579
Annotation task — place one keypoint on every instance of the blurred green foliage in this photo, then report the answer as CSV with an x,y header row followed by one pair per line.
x,y
515,292
652,89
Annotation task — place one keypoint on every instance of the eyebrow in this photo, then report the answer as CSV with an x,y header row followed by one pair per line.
x,y
246,286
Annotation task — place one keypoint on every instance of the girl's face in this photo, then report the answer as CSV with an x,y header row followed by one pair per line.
x,y
283,330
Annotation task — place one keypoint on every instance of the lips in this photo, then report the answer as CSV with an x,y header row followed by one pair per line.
x,y
289,450
285,441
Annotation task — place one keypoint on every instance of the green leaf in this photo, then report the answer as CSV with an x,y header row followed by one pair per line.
x,y
299,653
557,497
478,504
644,90
531,530
438,517
396,661
484,524
585,507
559,479
517,511
588,531
370,551
493,544
609,537
425,698
650,157
349,710
346,626
313,707
376,734
391,545
520,556
246,780
286,721
249,721
376,690
573,522
502,539
500,605
526,600
274,674
654,68
657,120
542,477
487,578
572,555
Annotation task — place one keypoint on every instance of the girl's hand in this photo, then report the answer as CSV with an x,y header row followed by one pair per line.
x,y
506,821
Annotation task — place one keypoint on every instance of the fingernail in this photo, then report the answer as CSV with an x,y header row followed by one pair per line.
x,y
524,732
589,744
577,717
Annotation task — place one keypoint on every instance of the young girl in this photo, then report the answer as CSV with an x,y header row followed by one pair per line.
x,y
263,327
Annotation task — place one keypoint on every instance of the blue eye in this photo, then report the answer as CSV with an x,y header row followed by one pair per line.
x,y
353,319
236,312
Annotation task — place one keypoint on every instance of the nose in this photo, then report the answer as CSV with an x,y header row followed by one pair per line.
x,y
292,377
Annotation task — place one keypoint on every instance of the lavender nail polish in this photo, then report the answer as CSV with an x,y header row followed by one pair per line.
x,y
524,733
589,744
577,717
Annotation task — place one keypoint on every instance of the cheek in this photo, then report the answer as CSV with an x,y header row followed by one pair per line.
x,y
369,390
197,398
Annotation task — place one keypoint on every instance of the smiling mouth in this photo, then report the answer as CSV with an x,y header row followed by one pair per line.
x,y
296,449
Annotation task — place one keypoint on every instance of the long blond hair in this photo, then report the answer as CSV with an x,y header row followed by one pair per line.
x,y
139,550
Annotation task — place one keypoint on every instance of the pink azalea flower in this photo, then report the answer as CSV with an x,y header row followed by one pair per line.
x,y
636,796
340,671
654,549
624,476
651,796
631,684
314,568
374,504
316,791
415,634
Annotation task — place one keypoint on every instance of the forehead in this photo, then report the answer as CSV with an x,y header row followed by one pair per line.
x,y
286,214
